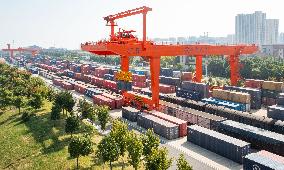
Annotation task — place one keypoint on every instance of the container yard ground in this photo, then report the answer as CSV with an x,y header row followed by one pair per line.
x,y
260,112
198,157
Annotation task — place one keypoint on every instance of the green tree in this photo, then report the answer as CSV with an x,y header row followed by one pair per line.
x,y
108,150
158,159
50,94
5,98
80,146
150,141
135,149
65,101
103,115
55,112
72,124
86,109
36,101
119,133
182,163
19,102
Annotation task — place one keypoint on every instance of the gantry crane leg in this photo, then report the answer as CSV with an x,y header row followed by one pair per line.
x,y
198,66
124,63
155,73
234,67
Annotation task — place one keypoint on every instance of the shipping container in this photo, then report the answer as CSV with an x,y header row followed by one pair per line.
x,y
192,116
221,144
117,98
259,138
263,160
161,127
130,113
181,123
275,112
90,92
101,100
201,88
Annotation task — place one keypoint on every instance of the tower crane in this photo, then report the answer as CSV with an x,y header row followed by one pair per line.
x,y
130,46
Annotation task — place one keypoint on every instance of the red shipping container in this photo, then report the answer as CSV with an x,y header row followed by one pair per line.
x,y
101,100
112,85
136,89
72,68
186,76
77,76
139,84
80,88
138,78
67,86
166,88
57,82
117,98
182,124
86,78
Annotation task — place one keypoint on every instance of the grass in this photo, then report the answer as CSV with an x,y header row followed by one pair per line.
x,y
40,143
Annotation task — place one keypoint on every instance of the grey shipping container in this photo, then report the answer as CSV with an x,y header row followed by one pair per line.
x,y
275,112
161,127
130,113
216,142
259,138
263,160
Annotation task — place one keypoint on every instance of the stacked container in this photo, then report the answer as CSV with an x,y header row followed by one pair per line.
x,y
161,127
253,83
181,123
101,100
259,138
191,116
170,81
109,77
221,144
139,80
263,160
270,91
192,87
90,92
277,111
100,72
97,81
80,88
116,98
255,95
186,76
167,72
130,113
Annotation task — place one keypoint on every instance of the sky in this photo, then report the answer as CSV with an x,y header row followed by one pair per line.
x,y
67,23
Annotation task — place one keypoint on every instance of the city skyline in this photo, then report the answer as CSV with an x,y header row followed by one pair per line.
x,y
66,24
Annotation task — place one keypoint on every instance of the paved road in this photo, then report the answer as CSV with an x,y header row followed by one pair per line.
x,y
199,158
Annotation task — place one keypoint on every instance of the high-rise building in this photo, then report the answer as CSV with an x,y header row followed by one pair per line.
x,y
271,31
281,38
255,28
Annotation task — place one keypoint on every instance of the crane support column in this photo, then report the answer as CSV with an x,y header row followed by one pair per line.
x,y
144,29
112,29
155,73
124,63
234,67
198,66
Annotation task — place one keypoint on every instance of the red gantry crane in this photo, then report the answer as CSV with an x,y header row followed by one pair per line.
x,y
126,45
12,50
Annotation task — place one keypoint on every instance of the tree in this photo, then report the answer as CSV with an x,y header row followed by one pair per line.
x,y
65,101
182,163
158,159
36,101
80,146
55,112
50,94
86,109
103,115
108,150
5,98
19,102
150,141
119,133
135,149
72,124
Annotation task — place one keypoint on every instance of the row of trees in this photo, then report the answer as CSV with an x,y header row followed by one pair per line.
x,y
264,68
140,149
19,89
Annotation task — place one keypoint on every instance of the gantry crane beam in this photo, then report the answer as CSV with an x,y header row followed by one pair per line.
x,y
12,50
133,47
111,19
